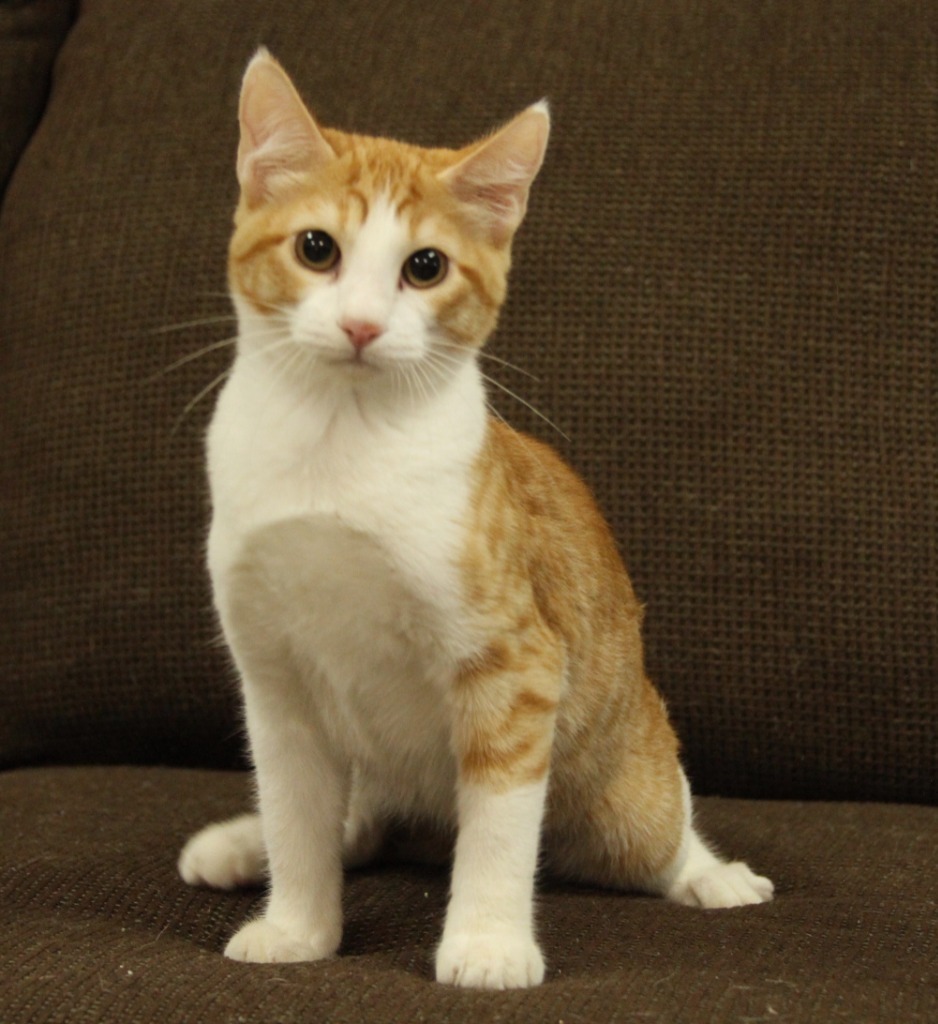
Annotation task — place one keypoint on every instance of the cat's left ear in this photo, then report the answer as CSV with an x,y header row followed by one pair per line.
x,y
495,175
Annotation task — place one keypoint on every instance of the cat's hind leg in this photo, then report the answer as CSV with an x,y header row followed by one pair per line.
x,y
363,832
699,878
706,881
640,836
226,855
231,854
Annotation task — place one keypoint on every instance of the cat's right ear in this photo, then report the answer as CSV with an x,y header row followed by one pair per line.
x,y
280,142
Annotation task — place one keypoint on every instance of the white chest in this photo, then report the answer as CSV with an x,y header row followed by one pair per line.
x,y
355,534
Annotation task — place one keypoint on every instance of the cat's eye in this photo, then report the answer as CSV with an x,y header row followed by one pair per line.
x,y
317,250
425,268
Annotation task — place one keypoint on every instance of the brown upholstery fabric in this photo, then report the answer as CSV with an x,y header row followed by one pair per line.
x,y
726,287
98,927
31,32
727,290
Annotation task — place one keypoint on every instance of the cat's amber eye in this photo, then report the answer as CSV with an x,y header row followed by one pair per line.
x,y
317,250
425,268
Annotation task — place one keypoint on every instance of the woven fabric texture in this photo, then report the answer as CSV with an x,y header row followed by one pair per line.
x,y
99,928
726,291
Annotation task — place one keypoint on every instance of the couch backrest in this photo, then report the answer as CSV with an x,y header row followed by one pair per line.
x,y
726,289
31,33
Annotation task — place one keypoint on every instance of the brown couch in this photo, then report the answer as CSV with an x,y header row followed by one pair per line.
x,y
727,291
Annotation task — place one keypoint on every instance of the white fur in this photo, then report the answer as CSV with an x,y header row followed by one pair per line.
x,y
226,855
699,878
488,941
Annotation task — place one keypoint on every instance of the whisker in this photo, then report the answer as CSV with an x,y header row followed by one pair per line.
x,y
491,408
420,382
444,357
276,342
201,322
527,405
270,333
482,354
441,366
510,366
408,379
444,363
396,377
198,398
448,357
189,357
284,365
435,380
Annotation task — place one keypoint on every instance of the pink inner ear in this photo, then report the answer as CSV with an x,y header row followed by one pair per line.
x,y
496,175
280,140
503,200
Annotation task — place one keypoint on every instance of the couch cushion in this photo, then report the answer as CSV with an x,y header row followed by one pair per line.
x,y
31,32
98,928
726,289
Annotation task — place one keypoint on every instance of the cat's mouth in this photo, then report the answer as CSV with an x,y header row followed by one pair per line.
x,y
353,360
359,362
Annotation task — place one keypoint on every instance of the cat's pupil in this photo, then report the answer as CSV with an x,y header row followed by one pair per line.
x,y
425,267
317,249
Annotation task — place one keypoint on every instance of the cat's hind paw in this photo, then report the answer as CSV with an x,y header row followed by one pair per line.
x,y
261,942
719,886
490,961
226,855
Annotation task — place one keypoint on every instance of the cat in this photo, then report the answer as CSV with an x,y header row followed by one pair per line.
x,y
427,611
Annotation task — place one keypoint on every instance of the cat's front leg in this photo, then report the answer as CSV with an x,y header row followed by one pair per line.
x,y
504,732
488,940
302,793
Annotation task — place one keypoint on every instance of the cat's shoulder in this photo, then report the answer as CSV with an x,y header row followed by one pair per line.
x,y
533,471
528,500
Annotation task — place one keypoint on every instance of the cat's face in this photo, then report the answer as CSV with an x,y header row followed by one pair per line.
x,y
372,266
364,258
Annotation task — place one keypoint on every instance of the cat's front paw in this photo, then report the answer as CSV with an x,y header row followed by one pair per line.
x,y
262,942
723,885
496,960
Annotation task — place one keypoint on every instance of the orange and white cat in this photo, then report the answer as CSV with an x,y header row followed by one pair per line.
x,y
428,613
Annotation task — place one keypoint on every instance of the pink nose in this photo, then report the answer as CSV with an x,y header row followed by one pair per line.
x,y
360,332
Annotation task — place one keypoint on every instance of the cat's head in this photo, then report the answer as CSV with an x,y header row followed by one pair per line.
x,y
371,257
